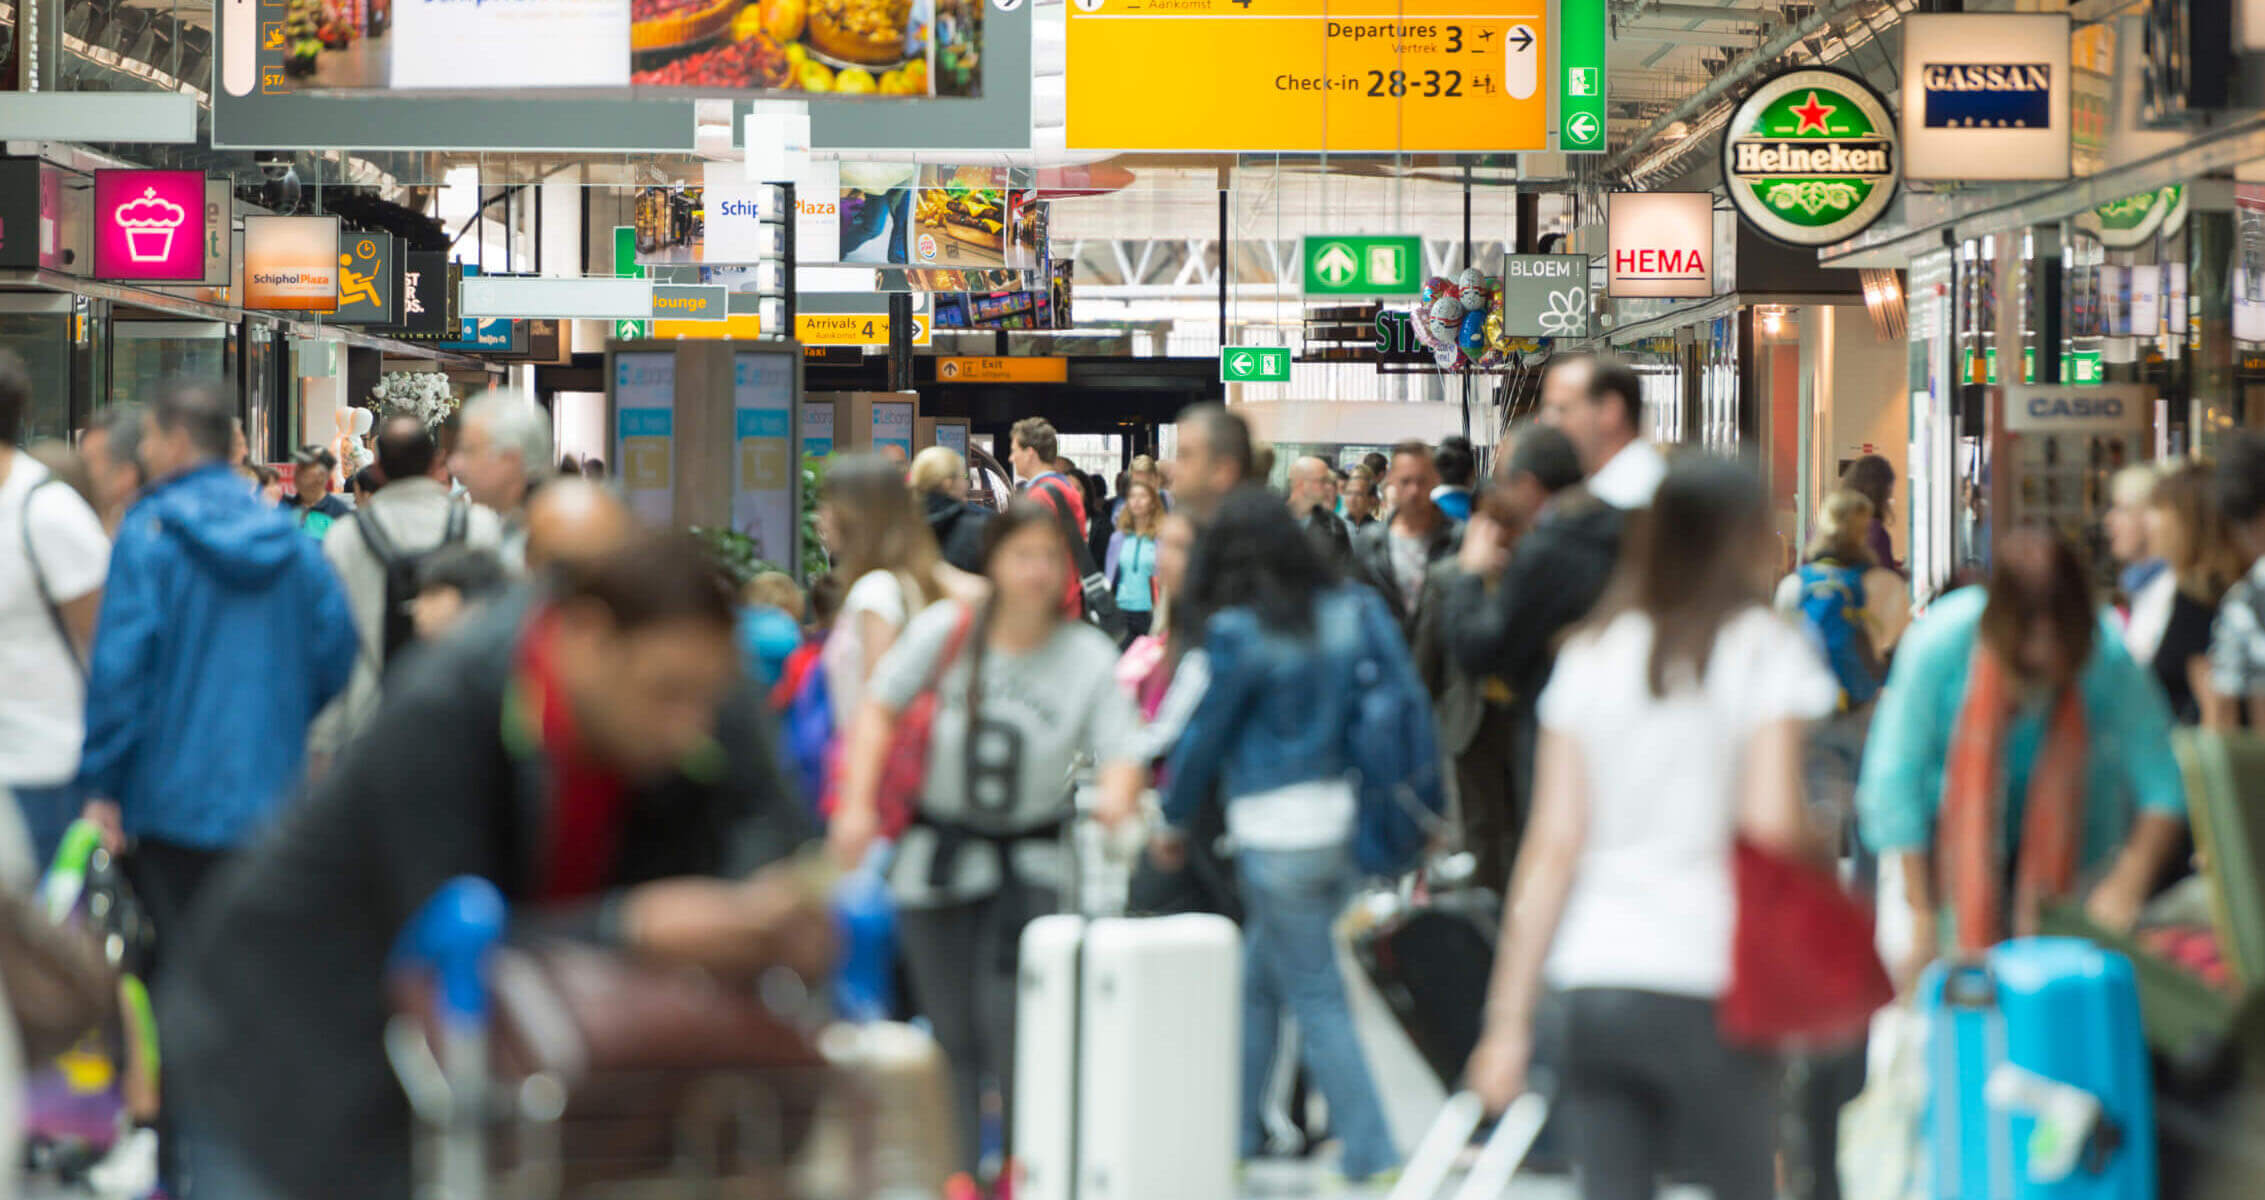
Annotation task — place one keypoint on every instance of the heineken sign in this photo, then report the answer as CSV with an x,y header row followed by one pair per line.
x,y
1810,158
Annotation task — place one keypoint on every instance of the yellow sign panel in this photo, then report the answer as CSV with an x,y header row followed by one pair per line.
x,y
853,329
762,463
648,465
736,326
1307,75
1002,370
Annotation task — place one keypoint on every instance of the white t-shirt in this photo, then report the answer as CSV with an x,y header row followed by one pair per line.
x,y
846,661
1652,906
43,704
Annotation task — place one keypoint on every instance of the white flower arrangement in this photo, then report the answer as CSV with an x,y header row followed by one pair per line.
x,y
424,395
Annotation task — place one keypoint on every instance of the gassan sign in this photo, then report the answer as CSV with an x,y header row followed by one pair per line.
x,y
1810,158
1986,96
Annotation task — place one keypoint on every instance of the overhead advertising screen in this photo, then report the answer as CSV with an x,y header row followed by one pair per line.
x,y
944,218
1335,75
149,226
597,74
1986,96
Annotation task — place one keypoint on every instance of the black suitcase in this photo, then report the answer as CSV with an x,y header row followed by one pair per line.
x,y
1431,960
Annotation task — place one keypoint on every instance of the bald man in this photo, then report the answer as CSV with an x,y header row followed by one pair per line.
x,y
1564,385
573,521
1312,489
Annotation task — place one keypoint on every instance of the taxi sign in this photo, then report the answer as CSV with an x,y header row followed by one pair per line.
x,y
1308,76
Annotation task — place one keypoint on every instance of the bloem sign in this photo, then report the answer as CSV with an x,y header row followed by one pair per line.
x,y
1810,158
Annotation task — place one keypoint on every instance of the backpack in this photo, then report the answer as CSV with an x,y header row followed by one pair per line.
x,y
1392,746
1832,610
400,569
806,720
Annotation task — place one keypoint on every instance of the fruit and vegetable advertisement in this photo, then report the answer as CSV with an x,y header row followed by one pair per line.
x,y
847,48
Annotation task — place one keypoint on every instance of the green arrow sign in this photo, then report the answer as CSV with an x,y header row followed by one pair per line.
x,y
625,267
1580,68
1254,364
1363,266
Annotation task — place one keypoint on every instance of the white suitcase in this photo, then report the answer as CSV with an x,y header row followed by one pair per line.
x,y
1128,1052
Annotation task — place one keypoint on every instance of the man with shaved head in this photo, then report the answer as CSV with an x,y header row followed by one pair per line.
x,y
1312,488
572,521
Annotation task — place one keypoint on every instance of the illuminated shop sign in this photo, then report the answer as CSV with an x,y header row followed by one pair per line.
x,y
1809,158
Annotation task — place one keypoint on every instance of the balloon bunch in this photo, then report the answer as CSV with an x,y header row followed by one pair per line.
x,y
1460,321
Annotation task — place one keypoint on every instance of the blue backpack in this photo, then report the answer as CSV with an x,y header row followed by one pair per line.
x,y
1832,610
1392,746
806,722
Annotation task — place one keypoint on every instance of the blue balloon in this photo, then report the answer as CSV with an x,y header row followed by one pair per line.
x,y
1472,336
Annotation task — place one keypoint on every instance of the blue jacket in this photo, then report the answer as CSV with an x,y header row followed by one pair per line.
x,y
222,633
1278,707
2130,763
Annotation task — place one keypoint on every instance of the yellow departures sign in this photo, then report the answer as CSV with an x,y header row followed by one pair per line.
x,y
1305,75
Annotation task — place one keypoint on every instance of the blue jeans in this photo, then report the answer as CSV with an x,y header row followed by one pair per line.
x,y
1292,899
215,1169
48,811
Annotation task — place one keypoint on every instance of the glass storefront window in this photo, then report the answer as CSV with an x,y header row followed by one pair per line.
x,y
144,354
43,341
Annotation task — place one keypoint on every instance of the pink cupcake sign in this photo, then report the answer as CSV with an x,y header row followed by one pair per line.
x,y
149,226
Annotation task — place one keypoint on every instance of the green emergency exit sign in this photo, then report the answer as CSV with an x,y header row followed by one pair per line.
x,y
1338,265
625,267
1254,364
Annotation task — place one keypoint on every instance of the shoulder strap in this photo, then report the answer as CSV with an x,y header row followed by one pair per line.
x,y
375,537
459,517
1080,552
39,582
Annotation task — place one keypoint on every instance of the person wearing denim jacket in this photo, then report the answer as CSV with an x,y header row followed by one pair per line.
x,y
1269,736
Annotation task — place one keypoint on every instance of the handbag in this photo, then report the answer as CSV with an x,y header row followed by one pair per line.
x,y
1803,967
904,772
58,982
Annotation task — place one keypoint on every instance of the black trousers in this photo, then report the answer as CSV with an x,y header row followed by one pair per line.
x,y
1645,1076
1488,798
167,879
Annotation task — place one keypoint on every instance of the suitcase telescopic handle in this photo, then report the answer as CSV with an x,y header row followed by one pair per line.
x,y
453,935
1969,985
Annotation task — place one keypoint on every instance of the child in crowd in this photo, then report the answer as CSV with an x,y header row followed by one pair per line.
x,y
770,625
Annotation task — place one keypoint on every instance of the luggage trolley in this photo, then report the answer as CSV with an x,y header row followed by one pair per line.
x,y
517,1098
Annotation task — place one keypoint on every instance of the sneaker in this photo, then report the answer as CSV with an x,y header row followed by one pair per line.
x,y
129,1171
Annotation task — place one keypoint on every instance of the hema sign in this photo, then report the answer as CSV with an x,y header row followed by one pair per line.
x,y
1986,96
1660,244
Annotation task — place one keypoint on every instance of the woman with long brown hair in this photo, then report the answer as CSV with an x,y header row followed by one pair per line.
x,y
1131,561
879,536
2186,527
1622,900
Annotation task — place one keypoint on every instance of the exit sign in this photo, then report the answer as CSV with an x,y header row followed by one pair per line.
x,y
1254,364
1363,266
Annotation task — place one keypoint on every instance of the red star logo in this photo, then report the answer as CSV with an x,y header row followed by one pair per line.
x,y
1813,115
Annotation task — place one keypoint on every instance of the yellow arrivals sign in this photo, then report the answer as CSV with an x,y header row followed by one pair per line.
x,y
1308,75
1002,370
854,329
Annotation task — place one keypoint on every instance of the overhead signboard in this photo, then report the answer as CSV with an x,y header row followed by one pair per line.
x,y
492,296
622,75
1986,96
1341,265
369,281
1661,244
1254,364
2131,221
20,223
735,327
2101,408
690,302
1810,157
290,263
149,226
424,290
853,329
219,232
1309,76
1002,370
1545,295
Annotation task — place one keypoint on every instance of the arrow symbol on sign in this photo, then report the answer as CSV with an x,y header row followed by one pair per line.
x,y
1521,38
1583,127
1335,264
1239,363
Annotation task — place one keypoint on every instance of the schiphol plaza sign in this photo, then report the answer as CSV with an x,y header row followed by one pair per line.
x,y
1811,158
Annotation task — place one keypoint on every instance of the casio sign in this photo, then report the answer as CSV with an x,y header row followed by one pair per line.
x,y
2080,408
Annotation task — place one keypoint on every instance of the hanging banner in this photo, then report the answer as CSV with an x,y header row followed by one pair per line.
x,y
1986,96
1809,157
1545,295
762,497
644,446
1659,244
290,264
369,270
149,226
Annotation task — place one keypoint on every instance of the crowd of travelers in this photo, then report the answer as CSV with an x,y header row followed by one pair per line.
x,y
293,717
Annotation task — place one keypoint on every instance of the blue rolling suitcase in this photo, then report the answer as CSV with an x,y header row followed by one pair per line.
x,y
2038,1084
